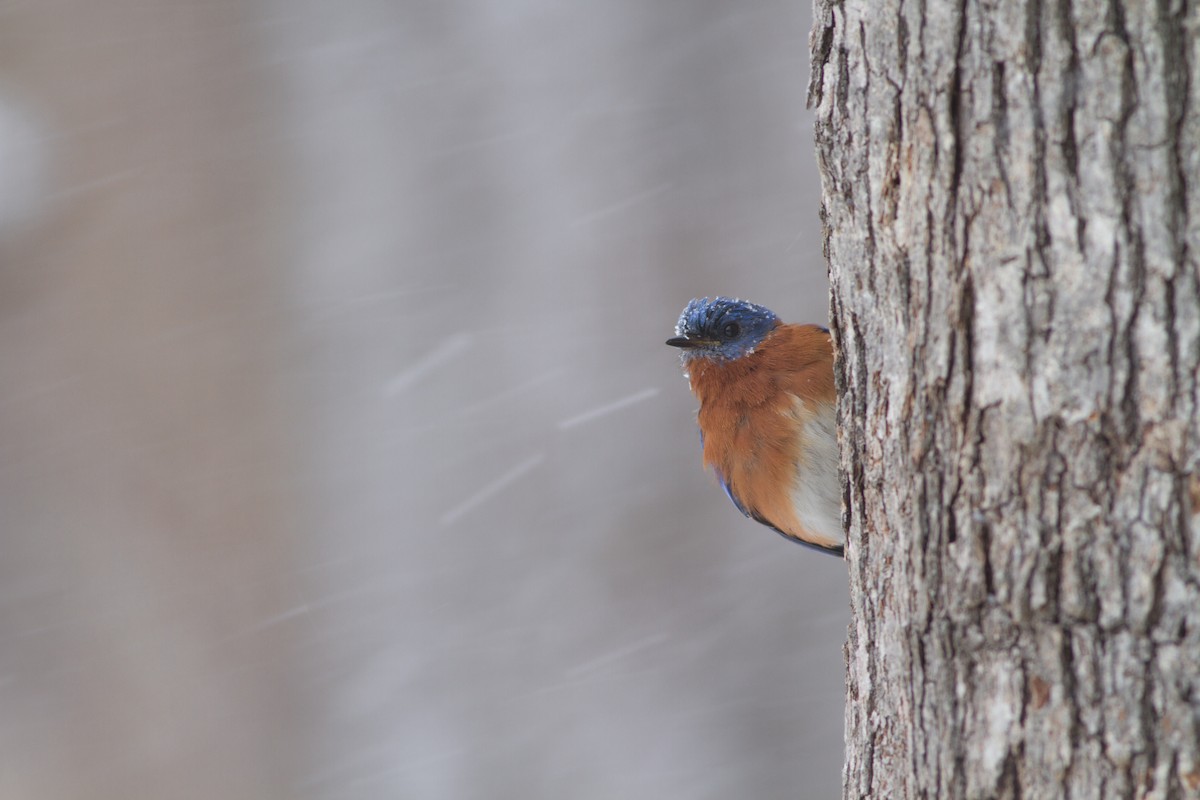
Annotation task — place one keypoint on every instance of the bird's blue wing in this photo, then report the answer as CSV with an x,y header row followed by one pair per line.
x,y
725,485
729,493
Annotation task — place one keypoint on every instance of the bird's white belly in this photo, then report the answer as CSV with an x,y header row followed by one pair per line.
x,y
816,495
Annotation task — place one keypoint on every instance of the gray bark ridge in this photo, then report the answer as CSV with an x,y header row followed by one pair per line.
x,y
1011,199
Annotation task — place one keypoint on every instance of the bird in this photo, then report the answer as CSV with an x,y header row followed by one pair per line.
x,y
768,424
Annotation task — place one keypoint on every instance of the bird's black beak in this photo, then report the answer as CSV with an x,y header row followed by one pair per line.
x,y
687,343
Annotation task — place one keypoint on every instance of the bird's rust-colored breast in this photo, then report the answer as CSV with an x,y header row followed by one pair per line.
x,y
753,425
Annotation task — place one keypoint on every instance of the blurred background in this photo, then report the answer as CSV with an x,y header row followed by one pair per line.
x,y
340,452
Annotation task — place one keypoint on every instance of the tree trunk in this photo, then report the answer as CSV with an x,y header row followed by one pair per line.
x,y
1012,212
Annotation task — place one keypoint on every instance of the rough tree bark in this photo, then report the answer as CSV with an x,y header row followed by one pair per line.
x,y
1012,210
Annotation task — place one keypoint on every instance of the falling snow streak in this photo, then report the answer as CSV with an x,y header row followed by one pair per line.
x,y
492,489
508,394
357,302
453,347
620,205
609,408
619,654
290,614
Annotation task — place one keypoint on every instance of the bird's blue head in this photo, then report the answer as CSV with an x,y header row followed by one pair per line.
x,y
721,329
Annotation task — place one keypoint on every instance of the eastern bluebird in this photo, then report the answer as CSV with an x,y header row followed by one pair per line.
x,y
767,415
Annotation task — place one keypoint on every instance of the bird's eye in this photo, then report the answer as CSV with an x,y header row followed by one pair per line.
x,y
731,330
